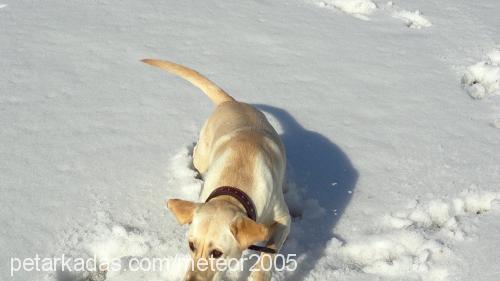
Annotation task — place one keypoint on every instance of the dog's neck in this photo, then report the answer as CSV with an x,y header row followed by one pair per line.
x,y
227,199
239,196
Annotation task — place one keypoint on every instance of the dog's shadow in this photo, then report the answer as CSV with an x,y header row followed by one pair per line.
x,y
324,180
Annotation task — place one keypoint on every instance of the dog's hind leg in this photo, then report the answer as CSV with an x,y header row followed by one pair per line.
x,y
201,151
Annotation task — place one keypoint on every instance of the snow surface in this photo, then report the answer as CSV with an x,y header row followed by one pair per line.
x,y
393,169
483,78
412,19
357,8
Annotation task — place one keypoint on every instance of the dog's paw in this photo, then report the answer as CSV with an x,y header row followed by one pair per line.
x,y
261,275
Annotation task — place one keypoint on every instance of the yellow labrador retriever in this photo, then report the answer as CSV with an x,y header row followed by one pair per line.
x,y
242,161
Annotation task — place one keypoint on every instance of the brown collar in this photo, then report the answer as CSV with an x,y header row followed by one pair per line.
x,y
237,194
247,203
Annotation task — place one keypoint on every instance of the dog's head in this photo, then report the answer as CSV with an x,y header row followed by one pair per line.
x,y
218,230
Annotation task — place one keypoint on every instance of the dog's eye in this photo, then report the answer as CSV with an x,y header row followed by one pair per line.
x,y
191,246
215,254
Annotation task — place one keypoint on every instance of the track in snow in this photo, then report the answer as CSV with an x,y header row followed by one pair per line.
x,y
363,9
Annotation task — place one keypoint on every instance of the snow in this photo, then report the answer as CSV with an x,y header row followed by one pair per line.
x,y
357,8
494,56
393,169
403,254
483,78
362,9
412,19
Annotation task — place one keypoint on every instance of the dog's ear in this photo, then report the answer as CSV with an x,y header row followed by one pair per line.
x,y
247,232
182,209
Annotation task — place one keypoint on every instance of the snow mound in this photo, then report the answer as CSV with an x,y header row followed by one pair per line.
x,y
400,253
483,78
356,8
410,243
182,178
117,241
412,19
443,215
120,243
116,246
361,9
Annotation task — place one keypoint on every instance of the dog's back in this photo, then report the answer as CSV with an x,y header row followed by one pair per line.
x,y
237,145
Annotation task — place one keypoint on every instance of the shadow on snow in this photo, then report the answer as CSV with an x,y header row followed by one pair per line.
x,y
321,181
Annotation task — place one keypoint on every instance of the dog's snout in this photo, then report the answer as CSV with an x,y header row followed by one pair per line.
x,y
192,276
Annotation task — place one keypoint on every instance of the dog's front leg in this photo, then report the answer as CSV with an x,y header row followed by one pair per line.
x,y
262,271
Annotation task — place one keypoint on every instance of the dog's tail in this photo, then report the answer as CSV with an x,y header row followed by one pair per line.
x,y
216,94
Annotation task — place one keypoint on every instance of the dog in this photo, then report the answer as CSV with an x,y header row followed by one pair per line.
x,y
242,161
